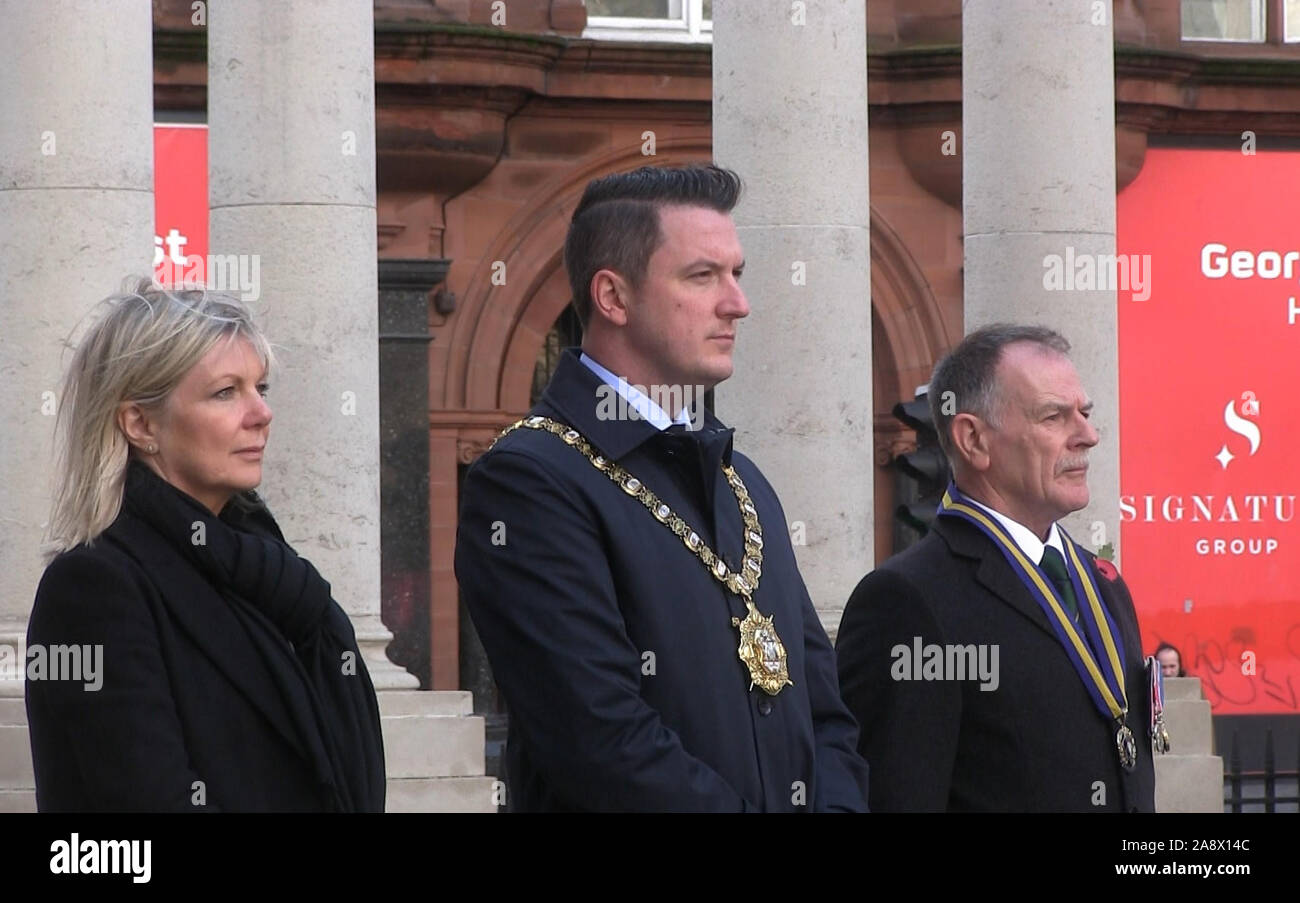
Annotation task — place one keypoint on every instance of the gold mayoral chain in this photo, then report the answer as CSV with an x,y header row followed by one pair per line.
x,y
760,647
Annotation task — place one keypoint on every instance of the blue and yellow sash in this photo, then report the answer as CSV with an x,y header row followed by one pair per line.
x,y
1098,657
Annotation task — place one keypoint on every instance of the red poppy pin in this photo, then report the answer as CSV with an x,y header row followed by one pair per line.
x,y
1106,569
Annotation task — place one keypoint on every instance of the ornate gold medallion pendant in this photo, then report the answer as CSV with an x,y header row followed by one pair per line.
x,y
761,649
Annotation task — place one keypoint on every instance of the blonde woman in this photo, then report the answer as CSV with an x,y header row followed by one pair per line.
x,y
230,678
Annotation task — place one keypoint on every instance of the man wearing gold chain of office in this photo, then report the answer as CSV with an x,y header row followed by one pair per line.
x,y
630,575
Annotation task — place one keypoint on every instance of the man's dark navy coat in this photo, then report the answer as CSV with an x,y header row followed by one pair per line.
x,y
614,646
1036,743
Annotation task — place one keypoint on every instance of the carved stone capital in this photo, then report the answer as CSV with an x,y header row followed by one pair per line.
x,y
890,447
470,450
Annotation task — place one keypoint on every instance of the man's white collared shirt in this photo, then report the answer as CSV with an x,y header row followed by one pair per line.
x,y
636,399
1024,537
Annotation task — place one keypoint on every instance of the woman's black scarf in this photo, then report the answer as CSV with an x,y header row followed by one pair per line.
x,y
296,626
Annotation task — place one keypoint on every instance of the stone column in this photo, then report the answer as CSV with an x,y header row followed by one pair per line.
x,y
790,116
292,184
1038,116
76,217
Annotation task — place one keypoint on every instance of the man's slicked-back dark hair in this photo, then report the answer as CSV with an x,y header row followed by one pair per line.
x,y
965,380
616,225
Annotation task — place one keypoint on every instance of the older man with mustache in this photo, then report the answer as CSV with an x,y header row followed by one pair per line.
x,y
1064,726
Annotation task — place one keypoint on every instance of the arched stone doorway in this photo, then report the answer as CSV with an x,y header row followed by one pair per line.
x,y
908,336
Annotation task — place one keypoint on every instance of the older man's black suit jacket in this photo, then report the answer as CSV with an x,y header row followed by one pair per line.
x,y
612,643
1037,742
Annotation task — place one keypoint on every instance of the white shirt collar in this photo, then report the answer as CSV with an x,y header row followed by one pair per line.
x,y
1024,537
636,399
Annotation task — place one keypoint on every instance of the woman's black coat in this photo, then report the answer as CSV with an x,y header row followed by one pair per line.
x,y
230,679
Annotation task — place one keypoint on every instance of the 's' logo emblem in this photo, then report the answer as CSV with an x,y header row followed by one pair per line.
x,y
1247,429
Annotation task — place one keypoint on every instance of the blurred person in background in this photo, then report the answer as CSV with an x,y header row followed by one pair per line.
x,y
1171,661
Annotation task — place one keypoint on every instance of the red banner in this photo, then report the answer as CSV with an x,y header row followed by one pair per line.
x,y
1209,366
180,177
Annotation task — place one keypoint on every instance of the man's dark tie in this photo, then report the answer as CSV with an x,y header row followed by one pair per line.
x,y
1054,566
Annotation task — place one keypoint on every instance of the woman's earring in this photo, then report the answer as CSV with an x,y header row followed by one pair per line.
x,y
152,449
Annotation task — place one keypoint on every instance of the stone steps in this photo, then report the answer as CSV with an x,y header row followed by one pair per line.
x,y
468,794
15,758
439,703
433,742
1182,688
433,752
13,710
17,801
17,783
1189,778
1189,783
1190,730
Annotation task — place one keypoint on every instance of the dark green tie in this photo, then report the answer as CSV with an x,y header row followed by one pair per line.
x,y
1054,566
